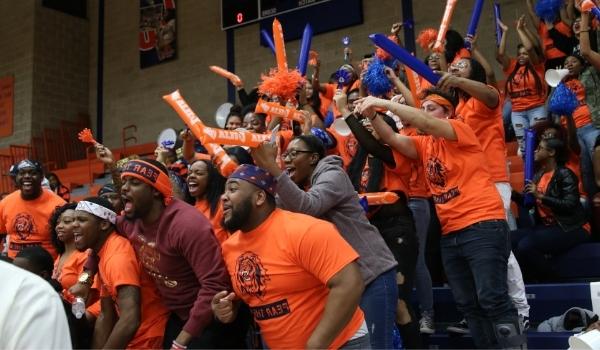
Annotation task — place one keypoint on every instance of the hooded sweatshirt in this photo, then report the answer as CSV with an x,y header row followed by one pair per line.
x,y
579,322
332,197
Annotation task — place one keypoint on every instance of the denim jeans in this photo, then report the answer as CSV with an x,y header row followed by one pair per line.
x,y
475,259
527,119
422,216
530,246
587,135
378,303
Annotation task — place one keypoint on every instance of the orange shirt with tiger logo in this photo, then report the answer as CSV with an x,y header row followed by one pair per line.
x,y
281,269
26,221
522,88
582,115
461,186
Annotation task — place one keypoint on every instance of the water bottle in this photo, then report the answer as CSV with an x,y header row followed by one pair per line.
x,y
78,307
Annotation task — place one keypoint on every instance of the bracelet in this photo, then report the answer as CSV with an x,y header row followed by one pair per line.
x,y
375,116
178,346
584,31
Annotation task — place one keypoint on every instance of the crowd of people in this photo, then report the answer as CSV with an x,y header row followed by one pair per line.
x,y
278,246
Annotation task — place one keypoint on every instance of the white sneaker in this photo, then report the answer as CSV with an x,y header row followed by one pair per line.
x,y
426,325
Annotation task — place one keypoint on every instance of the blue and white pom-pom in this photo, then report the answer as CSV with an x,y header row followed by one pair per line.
x,y
548,10
375,79
563,101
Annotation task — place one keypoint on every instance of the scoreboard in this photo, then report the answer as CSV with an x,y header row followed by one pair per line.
x,y
235,13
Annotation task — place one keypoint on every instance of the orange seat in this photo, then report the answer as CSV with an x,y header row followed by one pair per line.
x,y
515,164
517,181
511,148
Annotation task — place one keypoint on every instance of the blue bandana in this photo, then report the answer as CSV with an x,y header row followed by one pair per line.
x,y
256,176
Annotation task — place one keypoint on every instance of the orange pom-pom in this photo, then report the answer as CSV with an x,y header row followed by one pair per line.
x,y
426,38
382,54
281,83
86,136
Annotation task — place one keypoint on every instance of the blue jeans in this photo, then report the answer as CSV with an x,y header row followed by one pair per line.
x,y
530,246
527,119
379,302
475,259
587,135
422,216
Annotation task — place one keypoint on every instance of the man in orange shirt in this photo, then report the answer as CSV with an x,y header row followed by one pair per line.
x,y
141,315
24,214
296,272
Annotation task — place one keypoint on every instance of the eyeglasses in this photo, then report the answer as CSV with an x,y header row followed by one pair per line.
x,y
293,153
459,65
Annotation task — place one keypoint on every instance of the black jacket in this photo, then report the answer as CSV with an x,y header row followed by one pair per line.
x,y
562,197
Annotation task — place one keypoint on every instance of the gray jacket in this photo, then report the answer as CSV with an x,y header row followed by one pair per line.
x,y
557,323
332,197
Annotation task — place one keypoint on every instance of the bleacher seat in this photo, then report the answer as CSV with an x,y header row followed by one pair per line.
x,y
512,148
545,300
580,263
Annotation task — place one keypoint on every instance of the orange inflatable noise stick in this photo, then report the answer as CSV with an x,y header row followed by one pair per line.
x,y
226,74
280,55
275,109
233,138
86,136
439,42
380,198
224,163
413,84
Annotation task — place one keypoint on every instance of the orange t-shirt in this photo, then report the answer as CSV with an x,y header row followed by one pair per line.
x,y
550,51
281,270
489,128
26,222
204,207
347,146
545,212
582,115
417,186
70,270
522,88
462,189
423,84
118,266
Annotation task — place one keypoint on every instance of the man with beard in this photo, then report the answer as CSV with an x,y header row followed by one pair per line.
x,y
141,315
177,248
296,272
24,213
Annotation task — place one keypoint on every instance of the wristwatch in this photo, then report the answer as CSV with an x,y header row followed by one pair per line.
x,y
86,278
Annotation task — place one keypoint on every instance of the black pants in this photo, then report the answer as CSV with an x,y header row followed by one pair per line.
x,y
215,336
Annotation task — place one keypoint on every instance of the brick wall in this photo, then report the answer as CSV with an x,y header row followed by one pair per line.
x,y
60,68
133,96
48,53
16,59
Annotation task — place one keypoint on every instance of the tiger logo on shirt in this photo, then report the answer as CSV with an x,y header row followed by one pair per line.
x,y
24,225
436,172
251,276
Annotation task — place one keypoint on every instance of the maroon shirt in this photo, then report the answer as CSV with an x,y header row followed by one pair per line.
x,y
184,258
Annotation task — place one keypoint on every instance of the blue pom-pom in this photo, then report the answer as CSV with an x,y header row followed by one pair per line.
x,y
563,101
375,79
548,10
323,136
343,76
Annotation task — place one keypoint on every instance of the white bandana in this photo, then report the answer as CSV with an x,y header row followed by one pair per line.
x,y
98,210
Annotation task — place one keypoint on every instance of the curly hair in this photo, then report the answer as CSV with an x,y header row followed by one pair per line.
x,y
57,243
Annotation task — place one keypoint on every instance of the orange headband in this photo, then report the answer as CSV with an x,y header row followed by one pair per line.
x,y
442,101
151,175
